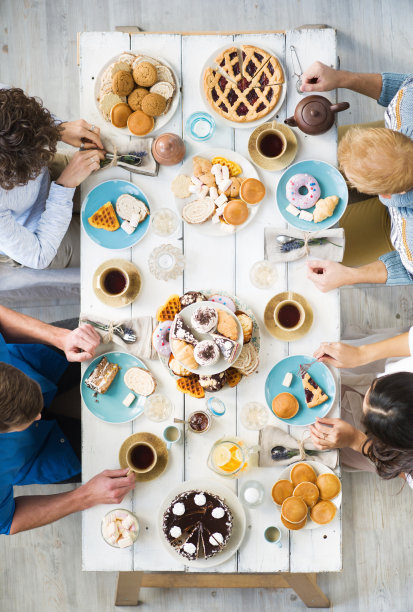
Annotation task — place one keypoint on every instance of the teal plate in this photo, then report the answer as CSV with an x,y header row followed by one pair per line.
x,y
109,191
321,375
331,183
108,406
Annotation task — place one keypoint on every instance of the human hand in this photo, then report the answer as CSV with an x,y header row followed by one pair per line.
x,y
108,487
82,164
80,132
327,275
320,77
80,344
335,433
339,355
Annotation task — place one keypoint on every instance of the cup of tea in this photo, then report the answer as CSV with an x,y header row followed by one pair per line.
x,y
141,457
114,282
171,435
271,144
273,535
289,315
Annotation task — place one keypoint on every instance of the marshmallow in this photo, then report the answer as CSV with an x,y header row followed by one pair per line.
x,y
287,379
127,227
224,184
215,218
134,220
220,200
196,181
204,191
125,541
128,522
306,216
194,188
213,193
128,400
293,210
225,172
216,169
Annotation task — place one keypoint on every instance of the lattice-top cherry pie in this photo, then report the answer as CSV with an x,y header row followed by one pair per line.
x,y
314,394
245,85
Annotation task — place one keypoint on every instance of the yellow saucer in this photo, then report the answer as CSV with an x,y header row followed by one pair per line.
x,y
161,450
286,158
281,334
134,287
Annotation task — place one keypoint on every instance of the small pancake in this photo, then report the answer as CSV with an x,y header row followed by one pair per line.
x,y
252,191
281,490
285,405
294,510
119,114
139,123
308,492
302,472
293,526
236,212
323,512
329,486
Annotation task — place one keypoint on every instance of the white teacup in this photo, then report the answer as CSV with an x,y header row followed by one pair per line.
x,y
296,312
276,134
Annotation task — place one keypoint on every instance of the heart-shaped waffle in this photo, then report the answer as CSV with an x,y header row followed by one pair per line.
x,y
191,386
168,311
233,377
105,218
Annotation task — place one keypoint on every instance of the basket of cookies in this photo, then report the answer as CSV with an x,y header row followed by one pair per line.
x,y
136,93
206,340
218,192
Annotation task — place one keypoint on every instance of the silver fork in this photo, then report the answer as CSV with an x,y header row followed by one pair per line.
x,y
125,333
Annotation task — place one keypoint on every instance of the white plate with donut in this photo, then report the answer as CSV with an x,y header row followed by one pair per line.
x,y
330,182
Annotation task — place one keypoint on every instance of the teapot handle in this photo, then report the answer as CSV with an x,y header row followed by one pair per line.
x,y
340,106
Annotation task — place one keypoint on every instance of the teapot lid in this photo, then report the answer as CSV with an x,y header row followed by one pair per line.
x,y
316,112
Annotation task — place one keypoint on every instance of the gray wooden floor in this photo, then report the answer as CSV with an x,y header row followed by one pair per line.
x,y
40,570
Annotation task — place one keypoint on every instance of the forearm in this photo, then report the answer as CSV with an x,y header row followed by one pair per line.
x,y
18,327
375,272
398,346
367,84
38,510
358,441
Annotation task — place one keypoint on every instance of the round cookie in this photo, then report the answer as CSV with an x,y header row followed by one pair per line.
x,y
323,512
145,74
107,102
329,486
119,114
302,472
139,123
252,191
285,405
236,212
136,97
206,353
293,526
164,89
281,490
294,509
308,492
180,186
122,83
153,104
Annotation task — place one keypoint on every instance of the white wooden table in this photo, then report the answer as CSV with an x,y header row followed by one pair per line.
x,y
223,263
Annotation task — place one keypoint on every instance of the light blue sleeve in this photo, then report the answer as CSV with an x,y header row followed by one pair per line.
x,y
392,81
7,508
37,249
396,272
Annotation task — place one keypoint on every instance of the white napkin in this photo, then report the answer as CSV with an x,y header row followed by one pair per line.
x,y
324,251
134,145
142,326
272,436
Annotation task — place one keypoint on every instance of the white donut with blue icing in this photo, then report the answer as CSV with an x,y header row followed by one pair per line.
x,y
306,183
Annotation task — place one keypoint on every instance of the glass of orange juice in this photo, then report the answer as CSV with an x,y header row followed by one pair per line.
x,y
229,457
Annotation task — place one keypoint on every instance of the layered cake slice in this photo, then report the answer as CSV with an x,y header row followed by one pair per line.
x,y
197,524
102,376
227,347
314,394
181,331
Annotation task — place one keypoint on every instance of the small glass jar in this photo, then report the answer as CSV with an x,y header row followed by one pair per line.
x,y
124,536
263,274
158,407
164,222
252,493
199,422
216,406
200,126
166,262
254,416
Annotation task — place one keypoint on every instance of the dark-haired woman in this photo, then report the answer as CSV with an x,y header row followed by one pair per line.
x,y
35,212
376,431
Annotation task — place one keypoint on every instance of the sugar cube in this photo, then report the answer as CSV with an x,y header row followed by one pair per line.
x,y
128,400
293,210
287,379
306,216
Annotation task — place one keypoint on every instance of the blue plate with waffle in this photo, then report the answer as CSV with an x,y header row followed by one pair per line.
x,y
319,373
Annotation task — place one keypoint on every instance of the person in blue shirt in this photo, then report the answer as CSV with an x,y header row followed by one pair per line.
x,y
33,449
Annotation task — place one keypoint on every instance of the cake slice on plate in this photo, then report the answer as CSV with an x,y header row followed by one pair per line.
x,y
181,331
102,376
314,394
227,346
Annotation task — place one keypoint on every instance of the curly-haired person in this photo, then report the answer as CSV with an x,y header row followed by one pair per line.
x,y
37,229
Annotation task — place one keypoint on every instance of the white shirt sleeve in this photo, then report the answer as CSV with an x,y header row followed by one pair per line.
x,y
409,480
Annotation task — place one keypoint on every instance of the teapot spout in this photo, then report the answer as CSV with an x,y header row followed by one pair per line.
x,y
341,106
291,121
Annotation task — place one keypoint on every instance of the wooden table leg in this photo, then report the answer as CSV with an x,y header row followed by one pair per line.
x,y
306,587
128,587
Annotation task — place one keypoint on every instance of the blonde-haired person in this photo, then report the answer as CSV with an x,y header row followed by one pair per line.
x,y
376,161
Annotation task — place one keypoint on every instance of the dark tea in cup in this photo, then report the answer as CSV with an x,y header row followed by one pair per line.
x,y
271,144
141,457
114,281
289,315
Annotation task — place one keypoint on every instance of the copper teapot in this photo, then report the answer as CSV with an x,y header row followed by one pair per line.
x,y
315,114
